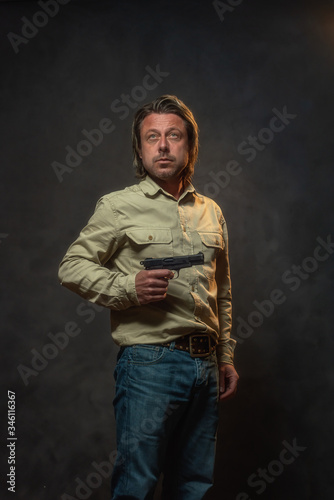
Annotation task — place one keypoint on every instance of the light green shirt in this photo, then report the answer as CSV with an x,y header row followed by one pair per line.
x,y
143,221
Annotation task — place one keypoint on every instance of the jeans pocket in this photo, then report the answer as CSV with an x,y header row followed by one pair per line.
x,y
145,354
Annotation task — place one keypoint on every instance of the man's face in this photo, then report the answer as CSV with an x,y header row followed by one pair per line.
x,y
164,146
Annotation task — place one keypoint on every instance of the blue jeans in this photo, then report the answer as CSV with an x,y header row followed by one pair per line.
x,y
166,409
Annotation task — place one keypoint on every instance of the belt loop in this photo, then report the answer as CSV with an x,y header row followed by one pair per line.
x,y
172,346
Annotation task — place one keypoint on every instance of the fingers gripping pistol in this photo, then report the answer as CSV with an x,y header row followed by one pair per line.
x,y
174,263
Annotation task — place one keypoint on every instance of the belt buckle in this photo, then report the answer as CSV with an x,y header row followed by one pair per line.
x,y
192,347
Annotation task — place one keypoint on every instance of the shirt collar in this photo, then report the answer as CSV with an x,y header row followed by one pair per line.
x,y
151,188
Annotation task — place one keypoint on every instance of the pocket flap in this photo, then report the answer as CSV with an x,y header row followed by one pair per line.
x,y
212,240
149,235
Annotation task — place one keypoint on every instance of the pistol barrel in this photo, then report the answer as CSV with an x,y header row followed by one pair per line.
x,y
173,263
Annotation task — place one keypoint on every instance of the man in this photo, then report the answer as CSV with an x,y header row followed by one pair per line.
x,y
176,355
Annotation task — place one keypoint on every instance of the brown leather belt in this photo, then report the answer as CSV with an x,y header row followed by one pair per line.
x,y
198,345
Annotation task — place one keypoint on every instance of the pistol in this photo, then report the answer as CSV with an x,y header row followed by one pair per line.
x,y
174,263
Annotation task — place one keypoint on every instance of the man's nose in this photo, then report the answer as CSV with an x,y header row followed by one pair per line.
x,y
163,144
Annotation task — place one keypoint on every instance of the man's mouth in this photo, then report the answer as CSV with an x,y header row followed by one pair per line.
x,y
163,160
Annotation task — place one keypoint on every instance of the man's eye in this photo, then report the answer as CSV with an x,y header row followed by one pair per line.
x,y
152,136
174,135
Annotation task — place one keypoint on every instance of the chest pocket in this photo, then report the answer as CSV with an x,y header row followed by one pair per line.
x,y
212,243
149,242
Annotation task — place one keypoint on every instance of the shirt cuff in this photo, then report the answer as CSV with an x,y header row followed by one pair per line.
x,y
225,351
131,289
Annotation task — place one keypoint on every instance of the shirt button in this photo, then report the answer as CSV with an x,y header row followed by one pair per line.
x,y
150,237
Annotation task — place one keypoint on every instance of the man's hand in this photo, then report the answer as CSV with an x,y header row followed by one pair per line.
x,y
228,380
151,286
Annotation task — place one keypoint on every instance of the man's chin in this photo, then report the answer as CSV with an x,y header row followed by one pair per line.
x,y
165,169
167,173
164,165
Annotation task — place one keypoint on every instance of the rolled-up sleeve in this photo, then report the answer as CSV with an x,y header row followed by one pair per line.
x,y
83,269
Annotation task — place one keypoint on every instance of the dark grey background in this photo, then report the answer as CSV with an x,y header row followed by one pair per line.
x,y
231,73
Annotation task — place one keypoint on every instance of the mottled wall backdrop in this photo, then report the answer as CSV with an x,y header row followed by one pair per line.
x,y
259,77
